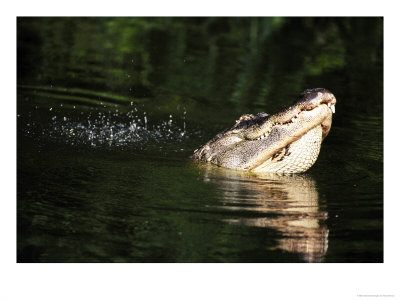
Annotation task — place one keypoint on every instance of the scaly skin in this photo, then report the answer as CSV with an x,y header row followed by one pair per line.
x,y
286,142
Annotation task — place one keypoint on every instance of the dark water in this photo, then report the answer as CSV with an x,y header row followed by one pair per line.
x,y
110,109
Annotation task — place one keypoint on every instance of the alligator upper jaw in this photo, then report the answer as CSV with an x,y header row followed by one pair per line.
x,y
290,116
318,115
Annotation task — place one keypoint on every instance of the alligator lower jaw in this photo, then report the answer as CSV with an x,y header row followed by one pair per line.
x,y
296,157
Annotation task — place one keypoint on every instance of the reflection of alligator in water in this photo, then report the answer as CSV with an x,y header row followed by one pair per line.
x,y
287,203
286,142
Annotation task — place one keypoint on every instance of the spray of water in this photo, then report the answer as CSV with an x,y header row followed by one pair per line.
x,y
105,127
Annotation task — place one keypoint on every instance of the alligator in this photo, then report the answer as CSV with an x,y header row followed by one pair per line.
x,y
286,142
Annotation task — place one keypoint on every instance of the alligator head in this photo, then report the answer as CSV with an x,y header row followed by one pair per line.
x,y
286,142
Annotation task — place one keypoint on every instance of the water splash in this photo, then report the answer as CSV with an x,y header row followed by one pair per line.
x,y
104,128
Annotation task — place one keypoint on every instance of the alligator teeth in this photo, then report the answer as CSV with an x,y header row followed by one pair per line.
x,y
333,108
329,104
263,136
293,119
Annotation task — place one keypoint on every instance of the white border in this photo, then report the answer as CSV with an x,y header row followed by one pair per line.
x,y
196,281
